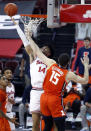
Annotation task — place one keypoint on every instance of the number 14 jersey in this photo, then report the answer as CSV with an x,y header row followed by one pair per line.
x,y
37,73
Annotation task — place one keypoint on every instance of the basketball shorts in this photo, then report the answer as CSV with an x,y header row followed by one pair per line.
x,y
35,100
50,105
12,125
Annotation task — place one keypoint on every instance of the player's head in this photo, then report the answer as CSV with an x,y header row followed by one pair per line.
x,y
47,50
64,60
7,72
87,42
3,82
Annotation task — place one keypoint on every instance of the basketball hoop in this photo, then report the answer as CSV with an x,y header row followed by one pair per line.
x,y
32,22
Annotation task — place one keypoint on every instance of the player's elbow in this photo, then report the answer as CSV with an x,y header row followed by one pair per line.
x,y
85,82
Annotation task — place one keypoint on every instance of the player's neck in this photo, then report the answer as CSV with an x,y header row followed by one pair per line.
x,y
87,47
9,83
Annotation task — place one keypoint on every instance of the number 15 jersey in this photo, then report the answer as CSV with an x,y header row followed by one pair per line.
x,y
54,81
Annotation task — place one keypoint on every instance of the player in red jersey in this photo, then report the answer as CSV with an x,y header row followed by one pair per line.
x,y
4,124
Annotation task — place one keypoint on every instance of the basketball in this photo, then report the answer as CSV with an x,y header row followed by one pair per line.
x,y
11,9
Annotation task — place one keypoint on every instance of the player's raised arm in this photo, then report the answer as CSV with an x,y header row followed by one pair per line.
x,y
76,78
37,50
25,41
31,47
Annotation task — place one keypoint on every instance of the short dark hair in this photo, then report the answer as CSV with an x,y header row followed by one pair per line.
x,y
63,59
7,68
87,38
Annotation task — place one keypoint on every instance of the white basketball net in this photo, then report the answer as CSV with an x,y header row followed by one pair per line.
x,y
32,24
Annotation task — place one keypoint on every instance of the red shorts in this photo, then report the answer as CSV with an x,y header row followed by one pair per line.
x,y
50,105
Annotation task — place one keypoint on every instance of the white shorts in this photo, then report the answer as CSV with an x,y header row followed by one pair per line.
x,y
12,125
35,100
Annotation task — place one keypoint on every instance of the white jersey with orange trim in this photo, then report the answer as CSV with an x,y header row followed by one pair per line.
x,y
37,72
10,90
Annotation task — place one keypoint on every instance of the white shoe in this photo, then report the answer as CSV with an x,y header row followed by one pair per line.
x,y
84,129
21,127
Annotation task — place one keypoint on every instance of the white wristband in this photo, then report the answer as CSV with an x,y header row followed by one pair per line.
x,y
22,36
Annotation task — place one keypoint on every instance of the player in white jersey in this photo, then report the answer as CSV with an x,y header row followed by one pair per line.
x,y
37,73
10,90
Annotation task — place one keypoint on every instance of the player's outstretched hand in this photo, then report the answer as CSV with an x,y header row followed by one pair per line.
x,y
13,120
14,21
28,33
85,61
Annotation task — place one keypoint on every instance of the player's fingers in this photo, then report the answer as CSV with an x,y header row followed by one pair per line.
x,y
86,59
13,20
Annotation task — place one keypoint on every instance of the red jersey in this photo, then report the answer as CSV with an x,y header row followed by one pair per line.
x,y
3,100
4,124
54,81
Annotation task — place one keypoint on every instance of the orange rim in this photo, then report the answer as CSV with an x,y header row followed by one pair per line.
x,y
34,15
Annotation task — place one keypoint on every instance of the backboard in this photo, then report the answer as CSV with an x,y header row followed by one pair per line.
x,y
53,13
